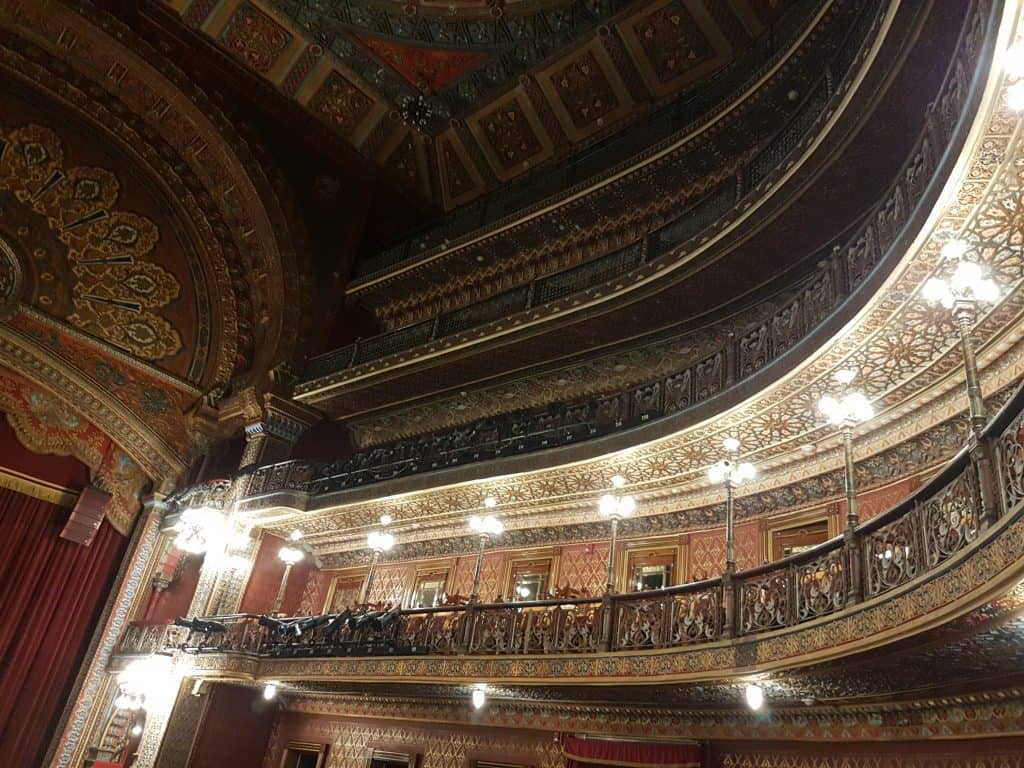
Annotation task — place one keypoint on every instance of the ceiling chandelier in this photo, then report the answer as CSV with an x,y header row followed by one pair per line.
x,y
416,111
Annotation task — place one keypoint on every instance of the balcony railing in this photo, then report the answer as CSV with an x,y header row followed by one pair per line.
x,y
943,519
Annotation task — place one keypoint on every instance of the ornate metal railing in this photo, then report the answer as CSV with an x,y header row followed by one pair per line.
x,y
940,521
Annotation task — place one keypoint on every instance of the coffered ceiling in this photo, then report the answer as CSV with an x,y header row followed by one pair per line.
x,y
457,98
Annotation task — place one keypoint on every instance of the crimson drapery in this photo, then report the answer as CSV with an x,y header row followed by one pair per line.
x,y
630,754
51,594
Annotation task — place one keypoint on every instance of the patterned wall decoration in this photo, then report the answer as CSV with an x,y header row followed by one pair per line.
x,y
349,742
160,401
584,567
44,423
314,594
1008,758
390,583
707,550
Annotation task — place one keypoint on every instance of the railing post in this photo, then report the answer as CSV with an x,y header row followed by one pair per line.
x,y
604,644
462,647
852,548
730,621
983,458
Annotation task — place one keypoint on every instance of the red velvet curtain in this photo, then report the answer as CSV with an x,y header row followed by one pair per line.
x,y
630,754
51,594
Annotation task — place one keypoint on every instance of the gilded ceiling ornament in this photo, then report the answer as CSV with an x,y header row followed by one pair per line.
x,y
116,294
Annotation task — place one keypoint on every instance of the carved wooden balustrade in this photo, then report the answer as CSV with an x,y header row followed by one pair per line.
x,y
940,521
144,639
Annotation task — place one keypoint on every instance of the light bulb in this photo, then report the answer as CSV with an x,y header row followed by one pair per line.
x,y
269,691
755,696
380,541
490,502
386,519
731,444
746,471
479,698
296,535
290,555
136,730
1015,96
608,505
966,276
716,473
986,290
829,406
627,506
858,407
954,249
845,375
618,481
936,289
1014,62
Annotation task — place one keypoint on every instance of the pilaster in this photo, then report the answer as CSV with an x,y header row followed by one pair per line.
x,y
89,701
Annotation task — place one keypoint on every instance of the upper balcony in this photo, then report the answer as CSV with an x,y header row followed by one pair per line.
x,y
793,221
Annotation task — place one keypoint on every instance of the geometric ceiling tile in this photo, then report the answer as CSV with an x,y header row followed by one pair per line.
x,y
425,69
460,180
585,91
405,155
254,37
510,134
340,99
674,43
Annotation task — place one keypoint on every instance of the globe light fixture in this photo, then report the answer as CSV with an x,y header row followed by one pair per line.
x,y
295,535
386,519
147,683
490,502
380,542
201,529
731,472
615,507
846,411
754,695
962,293
485,527
479,697
269,691
136,730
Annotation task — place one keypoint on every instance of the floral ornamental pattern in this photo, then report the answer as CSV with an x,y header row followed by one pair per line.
x,y
1011,461
672,42
116,294
255,38
585,91
510,135
341,103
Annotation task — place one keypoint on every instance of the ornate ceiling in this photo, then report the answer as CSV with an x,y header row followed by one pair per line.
x,y
458,98
146,264
907,354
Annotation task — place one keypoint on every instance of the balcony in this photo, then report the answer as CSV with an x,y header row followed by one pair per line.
x,y
935,555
